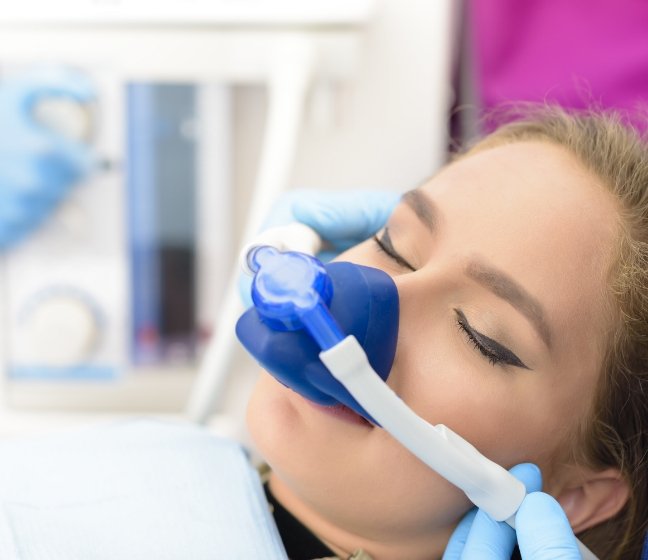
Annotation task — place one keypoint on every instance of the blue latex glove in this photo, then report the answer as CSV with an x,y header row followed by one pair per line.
x,y
342,219
37,165
542,529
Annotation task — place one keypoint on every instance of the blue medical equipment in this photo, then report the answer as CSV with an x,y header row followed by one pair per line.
x,y
365,305
343,219
38,164
290,290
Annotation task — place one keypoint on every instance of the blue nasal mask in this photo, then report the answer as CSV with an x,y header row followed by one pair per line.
x,y
302,307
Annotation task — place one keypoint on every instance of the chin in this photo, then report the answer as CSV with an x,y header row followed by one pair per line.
x,y
356,475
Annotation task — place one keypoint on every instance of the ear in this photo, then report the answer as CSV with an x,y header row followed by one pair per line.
x,y
593,498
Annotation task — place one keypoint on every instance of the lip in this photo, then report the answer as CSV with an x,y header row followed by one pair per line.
x,y
343,413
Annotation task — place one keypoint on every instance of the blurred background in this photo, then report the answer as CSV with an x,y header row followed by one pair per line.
x,y
108,305
197,115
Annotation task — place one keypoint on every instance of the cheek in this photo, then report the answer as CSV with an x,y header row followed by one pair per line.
x,y
269,414
507,415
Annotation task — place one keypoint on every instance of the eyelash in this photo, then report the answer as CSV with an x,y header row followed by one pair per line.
x,y
385,247
488,354
501,356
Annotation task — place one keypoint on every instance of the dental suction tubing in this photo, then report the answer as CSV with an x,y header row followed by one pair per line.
x,y
488,485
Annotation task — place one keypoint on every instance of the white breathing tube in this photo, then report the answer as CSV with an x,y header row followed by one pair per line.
x,y
488,485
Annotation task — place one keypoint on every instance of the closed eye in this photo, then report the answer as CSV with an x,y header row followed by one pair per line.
x,y
385,244
492,350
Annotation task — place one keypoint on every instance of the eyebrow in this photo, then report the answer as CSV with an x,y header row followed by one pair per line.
x,y
494,280
423,207
503,286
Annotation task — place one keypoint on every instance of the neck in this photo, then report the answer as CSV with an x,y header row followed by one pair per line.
x,y
343,542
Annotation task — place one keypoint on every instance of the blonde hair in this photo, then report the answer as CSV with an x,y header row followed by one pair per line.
x,y
616,433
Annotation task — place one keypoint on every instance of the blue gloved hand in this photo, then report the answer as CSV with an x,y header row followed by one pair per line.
x,y
542,529
37,164
342,219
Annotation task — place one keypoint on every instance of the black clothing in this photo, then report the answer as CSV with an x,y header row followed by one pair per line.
x,y
300,543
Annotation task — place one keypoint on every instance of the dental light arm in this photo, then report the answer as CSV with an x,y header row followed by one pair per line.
x,y
292,291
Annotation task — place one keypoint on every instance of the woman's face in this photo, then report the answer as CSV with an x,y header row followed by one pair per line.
x,y
500,262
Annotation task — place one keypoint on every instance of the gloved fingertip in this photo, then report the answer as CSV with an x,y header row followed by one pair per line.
x,y
489,539
530,475
542,525
454,549
539,505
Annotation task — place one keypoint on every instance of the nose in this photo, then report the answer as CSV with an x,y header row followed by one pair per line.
x,y
424,299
